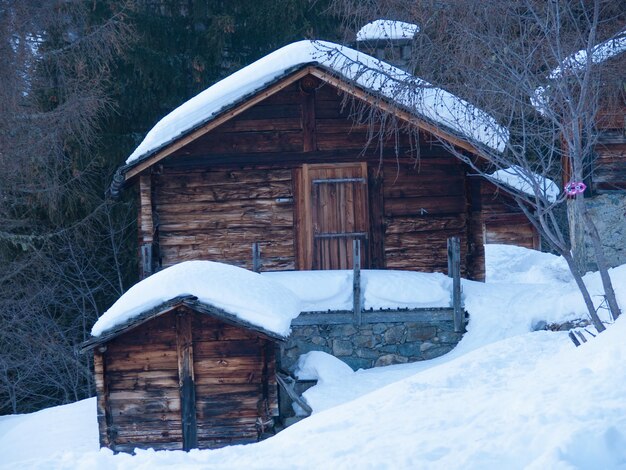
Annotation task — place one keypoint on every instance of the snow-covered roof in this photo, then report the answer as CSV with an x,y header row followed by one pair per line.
x,y
577,61
524,180
248,296
375,76
386,29
599,53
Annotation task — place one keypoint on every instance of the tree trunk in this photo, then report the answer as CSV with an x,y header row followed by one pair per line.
x,y
595,319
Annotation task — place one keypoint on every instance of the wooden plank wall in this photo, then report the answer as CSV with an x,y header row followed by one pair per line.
x,y
233,372
422,209
143,394
503,221
219,194
229,363
217,214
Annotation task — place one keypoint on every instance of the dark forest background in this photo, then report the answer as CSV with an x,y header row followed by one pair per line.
x,y
81,84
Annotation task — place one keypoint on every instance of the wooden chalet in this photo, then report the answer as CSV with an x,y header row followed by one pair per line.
x,y
285,165
184,375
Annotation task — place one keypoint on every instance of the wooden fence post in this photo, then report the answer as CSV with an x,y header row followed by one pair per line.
x,y
146,260
454,271
256,257
356,280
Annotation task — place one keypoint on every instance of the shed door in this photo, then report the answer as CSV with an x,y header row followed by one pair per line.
x,y
333,214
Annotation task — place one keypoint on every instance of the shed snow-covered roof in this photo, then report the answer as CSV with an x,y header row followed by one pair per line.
x,y
386,29
374,76
246,295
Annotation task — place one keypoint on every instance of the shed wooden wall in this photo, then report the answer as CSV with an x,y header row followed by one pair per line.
x,y
237,185
139,387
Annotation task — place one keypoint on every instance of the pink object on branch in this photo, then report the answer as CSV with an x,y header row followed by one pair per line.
x,y
575,187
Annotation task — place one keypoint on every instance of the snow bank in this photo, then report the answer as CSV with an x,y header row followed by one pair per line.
x,y
517,265
404,289
386,29
245,294
332,290
36,436
318,290
376,76
523,180
321,366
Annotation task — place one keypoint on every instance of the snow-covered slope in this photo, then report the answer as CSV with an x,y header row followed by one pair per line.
x,y
504,398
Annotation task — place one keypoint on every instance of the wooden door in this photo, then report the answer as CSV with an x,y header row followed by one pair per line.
x,y
333,212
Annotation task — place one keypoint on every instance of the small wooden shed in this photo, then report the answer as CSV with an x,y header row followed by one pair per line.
x,y
184,375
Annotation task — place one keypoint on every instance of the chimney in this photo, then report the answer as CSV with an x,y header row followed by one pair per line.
x,y
388,40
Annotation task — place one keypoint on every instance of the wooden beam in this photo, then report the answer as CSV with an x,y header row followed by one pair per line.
x,y
184,343
356,281
146,226
237,110
256,257
146,220
454,271
101,393
308,121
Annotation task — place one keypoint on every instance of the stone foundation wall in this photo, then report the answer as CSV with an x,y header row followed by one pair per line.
x,y
402,337
609,214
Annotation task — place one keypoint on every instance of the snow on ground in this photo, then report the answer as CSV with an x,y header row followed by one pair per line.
x,y
243,293
332,290
506,397
374,75
386,29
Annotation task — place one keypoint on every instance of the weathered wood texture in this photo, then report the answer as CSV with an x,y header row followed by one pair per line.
x,y
145,398
246,182
423,206
335,212
503,220
217,214
608,161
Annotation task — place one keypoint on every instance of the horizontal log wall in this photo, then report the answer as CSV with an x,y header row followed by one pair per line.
x,y
423,207
228,364
609,172
503,220
139,390
143,397
217,214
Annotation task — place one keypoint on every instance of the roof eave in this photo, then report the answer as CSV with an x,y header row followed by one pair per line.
x,y
188,301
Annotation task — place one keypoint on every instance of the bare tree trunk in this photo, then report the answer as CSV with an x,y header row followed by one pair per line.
x,y
595,319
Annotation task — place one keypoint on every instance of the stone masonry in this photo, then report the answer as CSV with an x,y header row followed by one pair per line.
x,y
372,344
608,212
